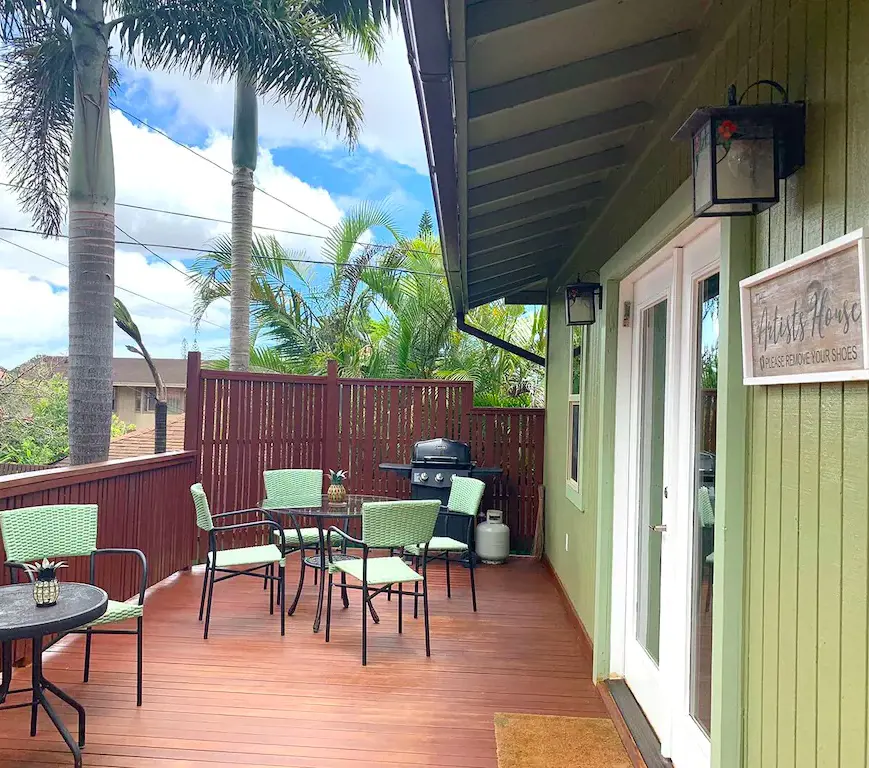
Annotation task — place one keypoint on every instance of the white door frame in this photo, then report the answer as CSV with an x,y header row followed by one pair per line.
x,y
680,736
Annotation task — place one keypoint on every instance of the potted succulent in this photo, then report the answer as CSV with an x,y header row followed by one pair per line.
x,y
45,585
337,493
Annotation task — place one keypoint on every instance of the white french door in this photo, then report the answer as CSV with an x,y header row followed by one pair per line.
x,y
665,436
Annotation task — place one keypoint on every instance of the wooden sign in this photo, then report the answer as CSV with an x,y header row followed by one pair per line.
x,y
806,319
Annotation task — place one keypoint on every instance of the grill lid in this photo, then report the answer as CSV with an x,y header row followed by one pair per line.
x,y
441,451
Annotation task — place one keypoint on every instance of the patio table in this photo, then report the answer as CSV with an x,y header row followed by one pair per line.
x,y
322,517
21,618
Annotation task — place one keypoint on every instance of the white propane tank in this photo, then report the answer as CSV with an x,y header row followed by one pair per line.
x,y
493,538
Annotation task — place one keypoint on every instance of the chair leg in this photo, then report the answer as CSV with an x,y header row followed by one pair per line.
x,y
329,608
139,624
365,607
389,591
447,561
471,559
87,656
345,600
270,571
301,582
425,614
208,604
204,590
36,672
416,590
400,595
282,587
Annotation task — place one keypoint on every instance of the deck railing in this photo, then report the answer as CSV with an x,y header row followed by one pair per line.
x,y
143,503
244,423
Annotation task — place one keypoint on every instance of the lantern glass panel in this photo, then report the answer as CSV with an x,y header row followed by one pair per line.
x,y
580,308
745,168
703,168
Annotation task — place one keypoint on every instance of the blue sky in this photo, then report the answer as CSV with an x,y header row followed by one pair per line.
x,y
298,163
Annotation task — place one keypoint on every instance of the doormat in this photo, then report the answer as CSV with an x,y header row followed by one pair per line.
x,y
543,741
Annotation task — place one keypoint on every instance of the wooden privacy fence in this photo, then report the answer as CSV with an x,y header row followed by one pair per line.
x,y
244,423
144,503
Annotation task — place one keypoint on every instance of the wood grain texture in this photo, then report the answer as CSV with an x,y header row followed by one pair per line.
x,y
247,697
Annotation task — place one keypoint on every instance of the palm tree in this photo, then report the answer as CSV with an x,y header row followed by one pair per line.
x,y
359,21
306,318
55,122
124,321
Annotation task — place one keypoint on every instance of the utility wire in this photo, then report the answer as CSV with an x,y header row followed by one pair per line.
x,y
119,287
192,249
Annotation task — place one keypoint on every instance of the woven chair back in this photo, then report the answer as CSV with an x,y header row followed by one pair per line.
x,y
399,523
203,511
293,488
465,495
52,531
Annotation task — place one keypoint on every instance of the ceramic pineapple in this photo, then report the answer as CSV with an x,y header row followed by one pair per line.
x,y
337,493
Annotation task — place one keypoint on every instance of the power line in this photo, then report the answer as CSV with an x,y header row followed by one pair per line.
x,y
119,287
192,249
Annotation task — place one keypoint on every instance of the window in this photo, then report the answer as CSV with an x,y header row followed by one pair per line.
x,y
574,407
175,401
146,399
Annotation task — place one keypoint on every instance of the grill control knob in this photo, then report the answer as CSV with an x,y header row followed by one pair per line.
x,y
439,477
424,476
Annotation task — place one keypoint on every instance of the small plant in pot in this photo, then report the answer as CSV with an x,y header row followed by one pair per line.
x,y
45,585
337,493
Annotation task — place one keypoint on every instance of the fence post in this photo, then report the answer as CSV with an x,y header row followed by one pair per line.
x,y
331,432
192,406
467,407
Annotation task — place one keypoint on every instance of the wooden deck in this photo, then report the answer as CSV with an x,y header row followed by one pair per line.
x,y
247,697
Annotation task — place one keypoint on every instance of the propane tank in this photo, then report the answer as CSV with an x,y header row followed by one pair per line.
x,y
493,538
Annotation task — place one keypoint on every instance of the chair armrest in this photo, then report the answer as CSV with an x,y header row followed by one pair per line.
x,y
347,538
268,523
14,568
124,551
254,510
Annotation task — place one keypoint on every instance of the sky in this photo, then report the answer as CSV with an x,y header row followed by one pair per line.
x,y
298,164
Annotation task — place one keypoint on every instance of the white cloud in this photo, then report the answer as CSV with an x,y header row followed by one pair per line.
x,y
391,128
150,171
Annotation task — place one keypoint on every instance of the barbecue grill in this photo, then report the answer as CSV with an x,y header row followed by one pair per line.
x,y
434,464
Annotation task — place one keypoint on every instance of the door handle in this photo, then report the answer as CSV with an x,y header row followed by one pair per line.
x,y
658,528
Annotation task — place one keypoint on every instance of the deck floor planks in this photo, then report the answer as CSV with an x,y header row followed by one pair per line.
x,y
247,697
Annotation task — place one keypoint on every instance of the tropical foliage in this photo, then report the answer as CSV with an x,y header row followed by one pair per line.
x,y
33,419
381,312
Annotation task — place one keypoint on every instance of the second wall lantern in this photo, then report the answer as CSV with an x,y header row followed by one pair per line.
x,y
739,152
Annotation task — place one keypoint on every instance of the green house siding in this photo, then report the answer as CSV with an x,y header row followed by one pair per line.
x,y
565,512
804,612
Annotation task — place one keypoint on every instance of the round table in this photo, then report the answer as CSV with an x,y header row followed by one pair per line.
x,y
323,516
21,618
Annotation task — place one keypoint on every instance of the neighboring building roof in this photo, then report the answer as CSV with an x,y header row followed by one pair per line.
x,y
134,372
140,442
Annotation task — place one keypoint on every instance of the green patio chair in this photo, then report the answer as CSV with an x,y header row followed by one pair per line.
x,y
385,525
296,489
466,494
70,530
706,515
251,559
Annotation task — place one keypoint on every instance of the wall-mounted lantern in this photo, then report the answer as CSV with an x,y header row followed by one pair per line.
x,y
579,301
739,153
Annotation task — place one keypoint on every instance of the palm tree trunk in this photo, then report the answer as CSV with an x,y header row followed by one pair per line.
x,y
244,149
91,243
160,410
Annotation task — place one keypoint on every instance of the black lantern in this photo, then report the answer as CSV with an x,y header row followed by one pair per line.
x,y
739,153
579,302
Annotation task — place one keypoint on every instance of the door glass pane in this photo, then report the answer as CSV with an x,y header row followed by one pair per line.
x,y
653,374
574,442
704,500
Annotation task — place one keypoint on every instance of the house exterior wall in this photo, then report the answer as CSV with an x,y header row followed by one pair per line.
x,y
806,551
125,407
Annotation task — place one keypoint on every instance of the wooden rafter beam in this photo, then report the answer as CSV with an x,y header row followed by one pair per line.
x,y
514,256
540,208
578,74
518,236
546,177
493,15
526,298
581,129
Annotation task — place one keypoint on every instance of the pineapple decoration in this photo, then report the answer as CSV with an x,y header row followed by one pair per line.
x,y
45,585
337,492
